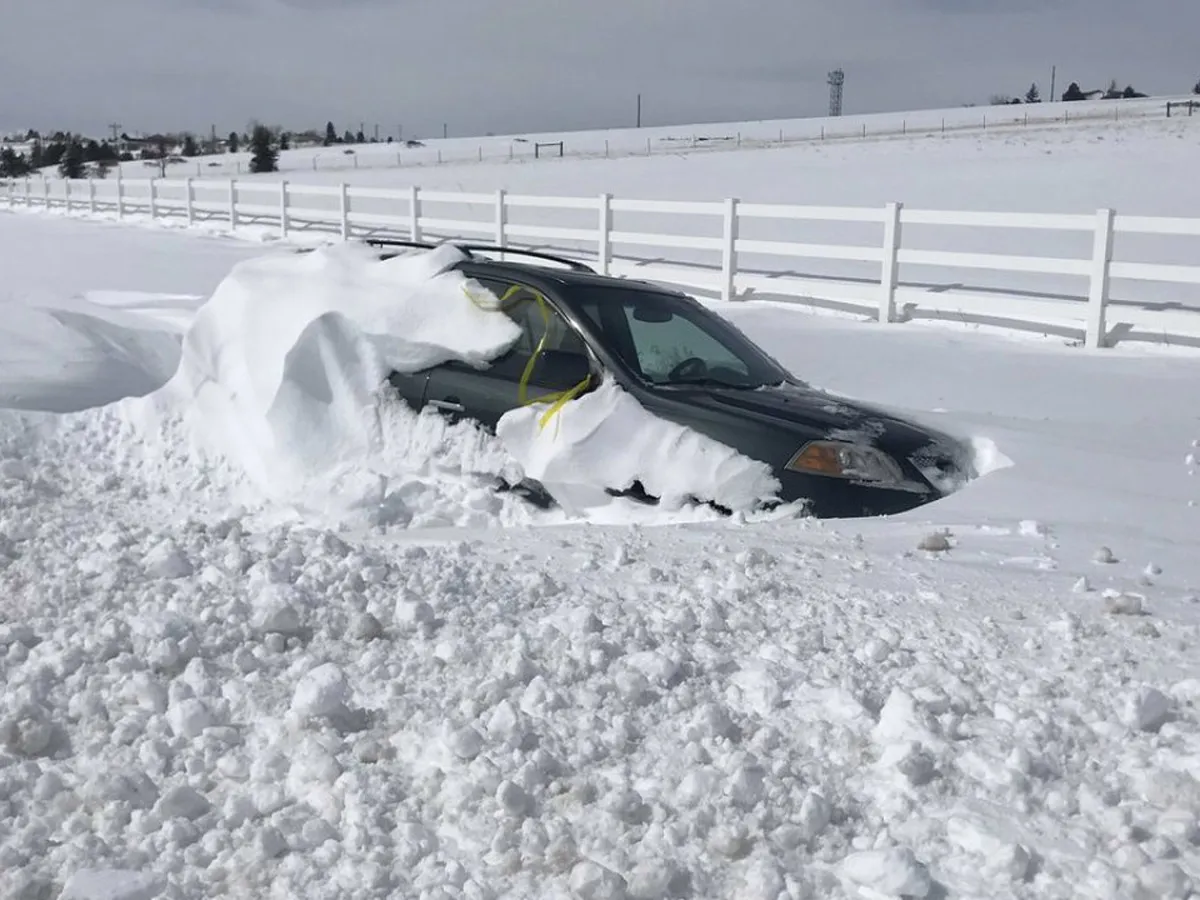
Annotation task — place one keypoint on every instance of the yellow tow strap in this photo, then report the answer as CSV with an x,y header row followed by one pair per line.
x,y
556,399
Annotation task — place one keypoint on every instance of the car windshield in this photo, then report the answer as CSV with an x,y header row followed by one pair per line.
x,y
671,340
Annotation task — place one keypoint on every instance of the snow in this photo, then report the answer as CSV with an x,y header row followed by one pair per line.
x,y
206,696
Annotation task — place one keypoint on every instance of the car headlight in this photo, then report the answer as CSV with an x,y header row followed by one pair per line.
x,y
855,462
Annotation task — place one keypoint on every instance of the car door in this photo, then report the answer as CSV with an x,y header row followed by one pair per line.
x,y
484,394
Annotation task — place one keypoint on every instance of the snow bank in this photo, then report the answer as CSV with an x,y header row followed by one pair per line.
x,y
606,438
281,370
279,395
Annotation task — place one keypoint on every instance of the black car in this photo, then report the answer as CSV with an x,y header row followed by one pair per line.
x,y
688,365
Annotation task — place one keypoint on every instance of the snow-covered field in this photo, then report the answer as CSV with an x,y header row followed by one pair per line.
x,y
398,684
432,151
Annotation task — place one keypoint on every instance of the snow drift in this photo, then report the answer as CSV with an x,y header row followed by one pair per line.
x,y
280,386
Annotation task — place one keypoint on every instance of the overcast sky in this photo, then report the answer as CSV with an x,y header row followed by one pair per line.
x,y
526,65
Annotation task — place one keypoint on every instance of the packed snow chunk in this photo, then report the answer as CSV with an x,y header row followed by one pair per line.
x,y
891,873
323,692
281,369
592,881
1147,710
112,884
606,439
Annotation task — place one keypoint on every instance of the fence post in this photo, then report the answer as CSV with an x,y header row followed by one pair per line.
x,y
189,207
46,192
283,209
153,205
344,209
604,251
501,218
92,196
1102,250
232,203
891,267
414,213
120,195
729,250
67,193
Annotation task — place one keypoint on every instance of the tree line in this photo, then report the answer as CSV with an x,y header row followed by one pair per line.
x,y
1075,93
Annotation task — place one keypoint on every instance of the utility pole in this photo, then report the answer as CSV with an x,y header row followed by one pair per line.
x,y
400,134
377,133
445,131
639,111
1053,77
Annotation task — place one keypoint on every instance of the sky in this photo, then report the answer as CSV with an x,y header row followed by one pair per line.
x,y
480,67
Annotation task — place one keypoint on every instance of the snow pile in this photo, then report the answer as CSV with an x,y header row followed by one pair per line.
x,y
280,397
606,438
208,709
281,370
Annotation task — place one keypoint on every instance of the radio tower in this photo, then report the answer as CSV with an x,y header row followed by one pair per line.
x,y
837,78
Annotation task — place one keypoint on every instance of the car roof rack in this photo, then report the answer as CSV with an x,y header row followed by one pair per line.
x,y
472,249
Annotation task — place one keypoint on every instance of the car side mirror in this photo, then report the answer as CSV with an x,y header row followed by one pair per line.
x,y
560,370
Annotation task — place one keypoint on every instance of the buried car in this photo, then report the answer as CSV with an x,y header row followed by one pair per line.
x,y
688,365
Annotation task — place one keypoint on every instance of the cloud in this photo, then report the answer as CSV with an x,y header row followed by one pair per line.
x,y
480,66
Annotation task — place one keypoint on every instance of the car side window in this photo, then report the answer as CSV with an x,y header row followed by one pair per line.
x,y
536,320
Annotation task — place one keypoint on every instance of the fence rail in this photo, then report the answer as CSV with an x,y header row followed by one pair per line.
x,y
709,243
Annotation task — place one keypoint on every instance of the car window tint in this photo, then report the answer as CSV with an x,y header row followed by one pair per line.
x,y
661,346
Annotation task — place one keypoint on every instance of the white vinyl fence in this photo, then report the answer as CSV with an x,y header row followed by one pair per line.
x,y
853,257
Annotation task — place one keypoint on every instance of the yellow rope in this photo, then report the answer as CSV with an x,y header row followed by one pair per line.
x,y
556,399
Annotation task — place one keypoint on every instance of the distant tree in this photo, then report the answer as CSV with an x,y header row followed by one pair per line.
x,y
1033,95
53,153
233,142
265,155
1196,89
360,138
331,137
1130,94
13,164
1113,92
72,163
1073,93
285,141
348,137
190,148
389,139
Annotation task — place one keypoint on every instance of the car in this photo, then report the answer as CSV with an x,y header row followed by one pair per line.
x,y
687,364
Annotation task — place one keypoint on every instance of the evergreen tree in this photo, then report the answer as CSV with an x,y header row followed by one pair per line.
x,y
13,164
285,141
72,164
233,142
1196,89
36,154
265,156
331,137
1032,95
348,137
360,137
189,146
1073,92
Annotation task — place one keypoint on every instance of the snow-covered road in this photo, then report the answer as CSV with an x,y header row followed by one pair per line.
x,y
487,705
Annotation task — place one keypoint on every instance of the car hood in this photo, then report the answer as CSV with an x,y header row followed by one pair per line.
x,y
814,414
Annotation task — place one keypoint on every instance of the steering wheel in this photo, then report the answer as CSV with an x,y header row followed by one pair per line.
x,y
692,367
